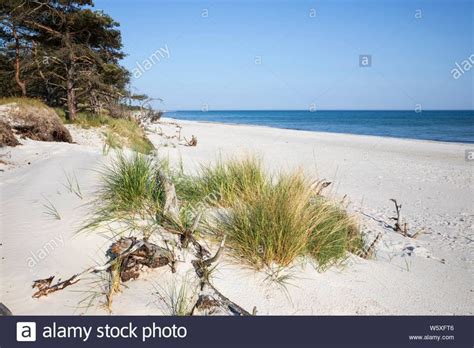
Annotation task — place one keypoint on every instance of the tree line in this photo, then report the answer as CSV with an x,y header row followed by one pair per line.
x,y
65,53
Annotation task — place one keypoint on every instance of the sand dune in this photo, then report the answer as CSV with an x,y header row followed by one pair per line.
x,y
432,274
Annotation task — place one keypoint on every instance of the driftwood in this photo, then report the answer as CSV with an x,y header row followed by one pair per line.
x,y
171,205
210,300
44,285
133,255
319,186
147,254
369,252
192,142
4,311
398,225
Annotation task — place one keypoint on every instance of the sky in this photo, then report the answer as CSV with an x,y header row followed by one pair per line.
x,y
298,55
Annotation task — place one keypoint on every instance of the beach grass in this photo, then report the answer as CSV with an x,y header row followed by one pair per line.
x,y
272,219
222,183
23,101
118,132
131,191
177,299
72,184
50,209
268,219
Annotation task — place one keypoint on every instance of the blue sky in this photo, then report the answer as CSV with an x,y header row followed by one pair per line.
x,y
309,53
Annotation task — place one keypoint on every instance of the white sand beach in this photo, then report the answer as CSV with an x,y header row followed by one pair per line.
x,y
430,274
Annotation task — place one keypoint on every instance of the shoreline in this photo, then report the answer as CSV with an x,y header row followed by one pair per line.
x,y
319,132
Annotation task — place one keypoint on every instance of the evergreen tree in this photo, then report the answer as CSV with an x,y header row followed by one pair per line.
x,y
72,53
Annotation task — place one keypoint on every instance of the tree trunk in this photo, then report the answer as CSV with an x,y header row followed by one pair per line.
x,y
71,95
70,72
20,83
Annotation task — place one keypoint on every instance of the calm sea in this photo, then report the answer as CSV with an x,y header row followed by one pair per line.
x,y
452,126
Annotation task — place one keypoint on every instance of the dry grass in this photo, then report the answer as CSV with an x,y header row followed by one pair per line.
x,y
22,101
119,132
272,219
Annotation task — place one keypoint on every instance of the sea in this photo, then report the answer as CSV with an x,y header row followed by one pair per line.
x,y
437,125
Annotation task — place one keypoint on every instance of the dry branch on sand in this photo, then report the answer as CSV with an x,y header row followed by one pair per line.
x,y
398,224
192,142
210,300
4,310
319,185
369,252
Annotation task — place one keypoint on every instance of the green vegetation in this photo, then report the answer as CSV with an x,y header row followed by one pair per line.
x,y
118,132
131,192
51,210
268,220
65,53
23,101
131,135
73,184
178,300
222,183
271,219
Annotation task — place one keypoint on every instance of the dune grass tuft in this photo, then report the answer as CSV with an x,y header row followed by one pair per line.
x,y
132,135
131,191
269,219
222,183
287,220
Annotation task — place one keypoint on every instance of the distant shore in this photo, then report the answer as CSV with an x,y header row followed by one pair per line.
x,y
174,119
437,125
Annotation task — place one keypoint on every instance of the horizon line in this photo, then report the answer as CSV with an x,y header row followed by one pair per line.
x,y
315,111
